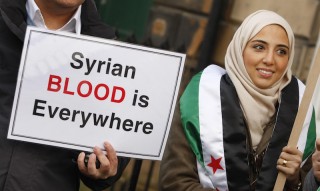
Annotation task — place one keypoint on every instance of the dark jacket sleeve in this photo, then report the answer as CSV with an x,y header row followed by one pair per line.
x,y
178,170
101,184
310,183
304,170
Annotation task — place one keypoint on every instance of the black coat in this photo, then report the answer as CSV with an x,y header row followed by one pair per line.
x,y
28,166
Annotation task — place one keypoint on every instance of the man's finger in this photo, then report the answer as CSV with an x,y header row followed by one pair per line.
x,y
92,170
80,162
111,153
101,157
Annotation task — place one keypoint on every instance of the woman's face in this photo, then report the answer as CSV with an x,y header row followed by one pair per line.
x,y
266,56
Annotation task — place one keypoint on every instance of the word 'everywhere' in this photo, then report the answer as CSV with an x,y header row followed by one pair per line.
x,y
42,109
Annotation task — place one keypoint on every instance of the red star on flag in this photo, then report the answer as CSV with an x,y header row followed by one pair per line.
x,y
215,164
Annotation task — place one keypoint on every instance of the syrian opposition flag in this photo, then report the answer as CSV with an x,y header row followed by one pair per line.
x,y
314,128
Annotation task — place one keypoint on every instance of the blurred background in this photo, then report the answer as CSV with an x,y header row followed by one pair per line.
x,y
202,29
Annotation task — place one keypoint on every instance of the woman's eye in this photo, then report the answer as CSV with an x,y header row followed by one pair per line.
x,y
258,47
282,52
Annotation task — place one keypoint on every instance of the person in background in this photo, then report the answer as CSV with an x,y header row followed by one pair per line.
x,y
236,122
312,180
35,167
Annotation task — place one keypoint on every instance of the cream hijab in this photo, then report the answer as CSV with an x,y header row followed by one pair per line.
x,y
257,104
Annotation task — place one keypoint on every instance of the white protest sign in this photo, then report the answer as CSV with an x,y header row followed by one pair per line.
x,y
78,91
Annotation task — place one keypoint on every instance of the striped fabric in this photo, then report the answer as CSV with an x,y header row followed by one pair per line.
x,y
211,167
313,131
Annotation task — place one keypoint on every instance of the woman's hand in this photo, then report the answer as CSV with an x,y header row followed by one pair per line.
x,y
289,163
108,163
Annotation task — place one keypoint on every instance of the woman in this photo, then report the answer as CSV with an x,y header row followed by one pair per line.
x,y
236,122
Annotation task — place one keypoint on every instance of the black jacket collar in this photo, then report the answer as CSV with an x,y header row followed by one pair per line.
x,y
15,15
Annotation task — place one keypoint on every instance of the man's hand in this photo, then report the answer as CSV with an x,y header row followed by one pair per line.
x,y
316,161
108,163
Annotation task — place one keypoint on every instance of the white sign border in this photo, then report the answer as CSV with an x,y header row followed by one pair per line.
x,y
30,30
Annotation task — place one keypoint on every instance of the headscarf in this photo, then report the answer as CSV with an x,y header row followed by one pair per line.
x,y
258,105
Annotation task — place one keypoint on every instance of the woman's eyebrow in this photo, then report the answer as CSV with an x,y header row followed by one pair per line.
x,y
264,42
261,41
284,46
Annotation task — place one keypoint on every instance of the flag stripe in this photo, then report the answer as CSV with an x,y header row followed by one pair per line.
x,y
211,131
311,137
235,138
190,116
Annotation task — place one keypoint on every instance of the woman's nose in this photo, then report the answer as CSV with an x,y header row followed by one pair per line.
x,y
269,58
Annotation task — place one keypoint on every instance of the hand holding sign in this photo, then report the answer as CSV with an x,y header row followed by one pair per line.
x,y
108,163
